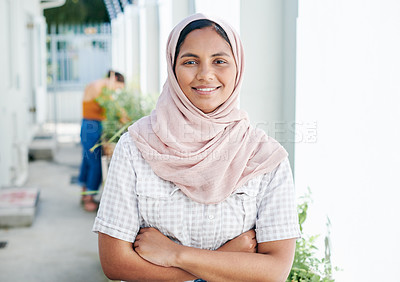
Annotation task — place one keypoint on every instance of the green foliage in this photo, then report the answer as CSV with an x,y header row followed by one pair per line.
x,y
78,12
306,266
122,108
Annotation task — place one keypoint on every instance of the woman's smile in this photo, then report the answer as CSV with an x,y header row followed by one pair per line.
x,y
206,69
206,90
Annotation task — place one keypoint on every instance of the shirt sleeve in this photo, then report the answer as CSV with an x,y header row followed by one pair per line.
x,y
277,217
118,214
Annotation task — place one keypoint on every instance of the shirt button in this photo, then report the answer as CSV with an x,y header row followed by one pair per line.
x,y
210,217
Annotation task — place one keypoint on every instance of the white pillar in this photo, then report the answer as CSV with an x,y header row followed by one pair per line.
x,y
40,74
149,47
119,47
165,10
5,79
118,43
17,76
290,10
142,46
132,69
268,31
228,10
114,44
181,9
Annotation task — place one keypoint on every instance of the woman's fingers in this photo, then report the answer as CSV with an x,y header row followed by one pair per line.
x,y
155,247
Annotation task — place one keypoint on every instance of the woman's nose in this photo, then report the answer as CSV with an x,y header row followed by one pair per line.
x,y
205,72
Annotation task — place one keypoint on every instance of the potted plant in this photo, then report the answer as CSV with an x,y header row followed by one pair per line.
x,y
122,108
307,267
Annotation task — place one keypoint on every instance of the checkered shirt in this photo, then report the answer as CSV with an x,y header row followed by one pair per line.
x,y
134,197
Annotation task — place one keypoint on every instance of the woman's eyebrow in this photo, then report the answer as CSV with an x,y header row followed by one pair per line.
x,y
219,54
189,55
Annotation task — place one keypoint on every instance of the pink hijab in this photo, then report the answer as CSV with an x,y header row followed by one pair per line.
x,y
208,156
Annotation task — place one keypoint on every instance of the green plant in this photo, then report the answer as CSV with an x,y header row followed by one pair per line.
x,y
122,108
306,265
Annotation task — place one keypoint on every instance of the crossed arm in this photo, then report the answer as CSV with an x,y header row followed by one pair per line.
x,y
154,257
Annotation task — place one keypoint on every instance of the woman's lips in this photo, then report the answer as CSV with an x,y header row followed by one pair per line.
x,y
205,89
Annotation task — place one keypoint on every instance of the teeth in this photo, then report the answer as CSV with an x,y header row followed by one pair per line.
x,y
206,89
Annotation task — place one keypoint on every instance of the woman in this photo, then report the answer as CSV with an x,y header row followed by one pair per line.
x,y
92,114
193,184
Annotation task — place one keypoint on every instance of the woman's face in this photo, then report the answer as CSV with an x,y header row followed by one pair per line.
x,y
206,69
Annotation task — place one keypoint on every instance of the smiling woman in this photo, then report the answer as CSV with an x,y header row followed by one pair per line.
x,y
172,210
205,69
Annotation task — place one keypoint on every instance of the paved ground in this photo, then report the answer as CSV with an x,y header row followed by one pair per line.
x,y
59,246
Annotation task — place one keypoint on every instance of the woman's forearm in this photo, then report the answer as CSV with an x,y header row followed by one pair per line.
x,y
231,266
120,262
271,263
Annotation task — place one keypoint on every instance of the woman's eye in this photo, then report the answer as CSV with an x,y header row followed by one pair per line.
x,y
220,61
189,63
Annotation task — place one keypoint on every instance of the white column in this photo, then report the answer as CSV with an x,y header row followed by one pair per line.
x,y
181,9
118,43
268,32
121,58
142,46
5,79
165,10
132,69
128,42
114,44
21,126
40,74
289,31
228,10
149,47
153,47
17,87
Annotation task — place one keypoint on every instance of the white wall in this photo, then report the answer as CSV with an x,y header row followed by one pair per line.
x,y
181,9
228,10
22,85
348,83
268,32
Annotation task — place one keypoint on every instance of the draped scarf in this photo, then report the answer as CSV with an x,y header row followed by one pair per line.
x,y
207,155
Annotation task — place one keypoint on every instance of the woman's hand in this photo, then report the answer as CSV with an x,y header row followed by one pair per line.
x,y
158,249
123,116
234,261
245,242
155,247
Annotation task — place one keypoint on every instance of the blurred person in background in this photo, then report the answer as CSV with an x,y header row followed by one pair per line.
x,y
90,176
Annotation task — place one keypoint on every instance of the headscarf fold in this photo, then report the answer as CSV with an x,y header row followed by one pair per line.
x,y
206,155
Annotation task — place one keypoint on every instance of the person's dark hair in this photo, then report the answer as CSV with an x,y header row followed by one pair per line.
x,y
118,76
198,24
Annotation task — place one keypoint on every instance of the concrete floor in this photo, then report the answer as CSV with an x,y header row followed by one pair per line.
x,y
59,246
